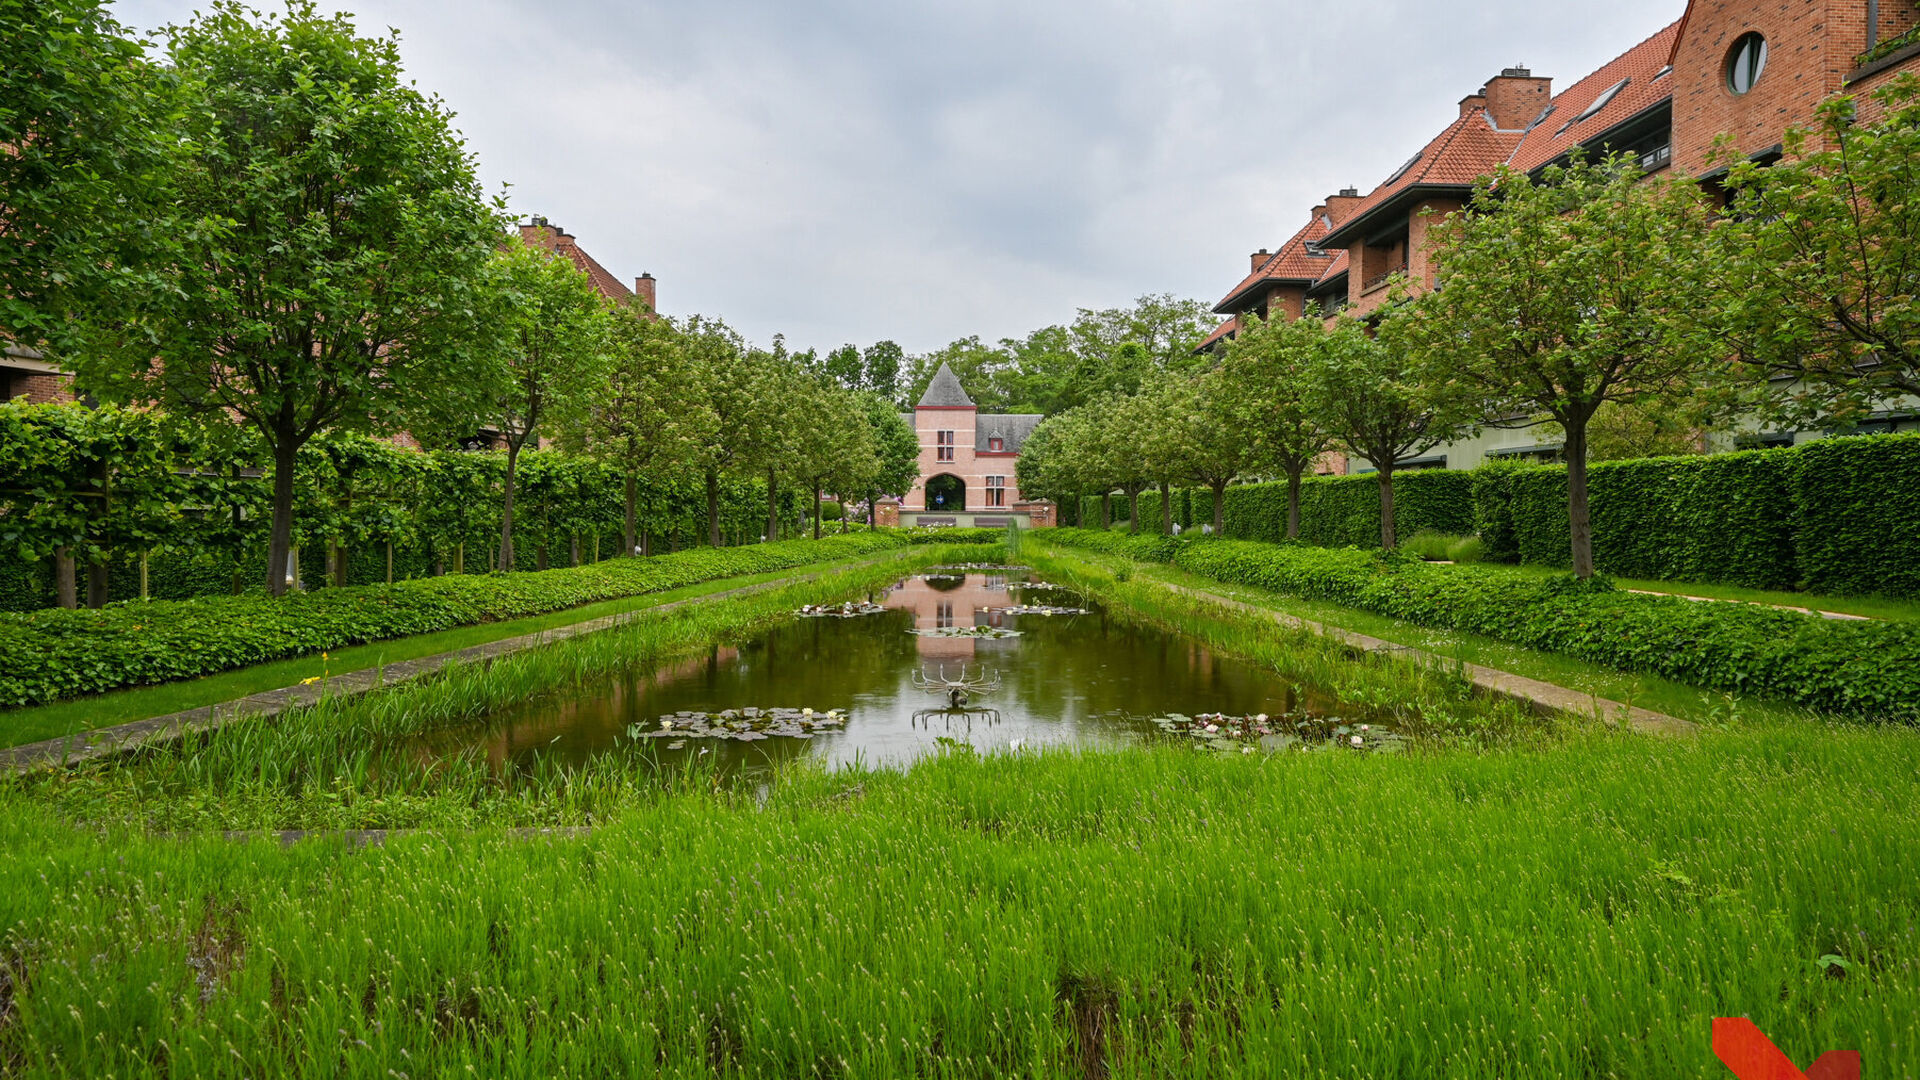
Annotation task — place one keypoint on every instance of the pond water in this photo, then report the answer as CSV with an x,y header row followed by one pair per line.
x,y
1056,678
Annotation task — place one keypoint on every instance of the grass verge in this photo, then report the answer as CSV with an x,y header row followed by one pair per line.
x,y
1583,910
1872,607
33,724
360,762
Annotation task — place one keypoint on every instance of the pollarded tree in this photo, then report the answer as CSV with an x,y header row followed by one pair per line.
x,y
1820,262
834,448
896,449
1266,405
1381,404
1563,296
733,385
549,353
648,415
334,237
84,119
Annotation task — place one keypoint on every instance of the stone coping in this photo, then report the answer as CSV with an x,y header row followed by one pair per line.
x,y
158,730
1542,697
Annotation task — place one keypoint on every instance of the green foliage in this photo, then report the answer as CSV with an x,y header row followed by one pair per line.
x,y
85,120
57,653
1868,669
1430,545
1468,549
1837,516
1815,262
1338,511
1856,505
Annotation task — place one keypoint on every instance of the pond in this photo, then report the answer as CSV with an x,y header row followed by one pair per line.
x,y
1043,665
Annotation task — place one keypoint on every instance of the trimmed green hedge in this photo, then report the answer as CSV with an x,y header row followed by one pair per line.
x,y
1838,516
1863,669
51,654
1335,511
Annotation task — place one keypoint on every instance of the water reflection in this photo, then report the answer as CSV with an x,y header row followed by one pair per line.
x,y
1080,679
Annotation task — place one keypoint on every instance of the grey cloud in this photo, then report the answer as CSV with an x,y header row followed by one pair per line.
x,y
848,170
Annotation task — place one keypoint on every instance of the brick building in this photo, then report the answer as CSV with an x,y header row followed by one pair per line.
x,y
1748,69
967,461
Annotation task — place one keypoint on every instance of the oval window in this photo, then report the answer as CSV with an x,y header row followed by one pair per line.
x,y
1745,63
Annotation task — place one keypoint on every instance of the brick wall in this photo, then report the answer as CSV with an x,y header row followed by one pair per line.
x,y
1810,47
37,388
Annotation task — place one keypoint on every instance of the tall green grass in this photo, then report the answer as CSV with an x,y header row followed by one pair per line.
x,y
360,762
1582,911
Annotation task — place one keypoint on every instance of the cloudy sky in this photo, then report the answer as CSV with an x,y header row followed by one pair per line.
x,y
851,170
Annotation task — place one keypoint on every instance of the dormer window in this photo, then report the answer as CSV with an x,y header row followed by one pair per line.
x,y
1601,101
996,446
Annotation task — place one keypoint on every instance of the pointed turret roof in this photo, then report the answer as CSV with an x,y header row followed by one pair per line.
x,y
945,392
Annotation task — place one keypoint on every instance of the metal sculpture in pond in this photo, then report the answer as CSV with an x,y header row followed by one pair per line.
x,y
957,690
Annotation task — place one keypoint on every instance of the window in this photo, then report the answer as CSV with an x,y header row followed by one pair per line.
x,y
943,443
996,445
1601,102
1745,63
996,491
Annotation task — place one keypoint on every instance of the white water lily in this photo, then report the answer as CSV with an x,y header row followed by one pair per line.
x,y
806,712
1358,741
1262,718
1212,728
1364,727
666,725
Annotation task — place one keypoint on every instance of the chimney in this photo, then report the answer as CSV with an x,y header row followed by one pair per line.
x,y
538,232
643,289
1319,212
1515,97
1339,206
1475,100
1260,258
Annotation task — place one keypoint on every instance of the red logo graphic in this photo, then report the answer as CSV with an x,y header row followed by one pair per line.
x,y
1752,1056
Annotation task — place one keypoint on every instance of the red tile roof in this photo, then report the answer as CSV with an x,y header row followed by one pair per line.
x,y
610,287
1224,330
1339,267
1561,129
1462,153
1295,262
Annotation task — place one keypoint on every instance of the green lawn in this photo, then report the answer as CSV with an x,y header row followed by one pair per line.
x,y
1873,607
1579,911
1647,691
20,726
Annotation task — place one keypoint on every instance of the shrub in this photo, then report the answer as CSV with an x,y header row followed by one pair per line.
x,y
1431,545
940,534
1864,669
1468,549
1856,504
1336,511
831,511
54,653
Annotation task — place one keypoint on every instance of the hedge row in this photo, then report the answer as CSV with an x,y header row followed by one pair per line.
x,y
1838,516
54,653
1864,669
1335,511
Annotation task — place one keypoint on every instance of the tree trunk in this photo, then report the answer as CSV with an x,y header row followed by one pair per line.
x,y
1293,501
1166,510
773,506
144,593
460,558
713,508
506,511
631,523
280,540
574,553
1133,511
1580,525
63,581
540,556
1219,507
389,562
816,510
98,567
1106,510
97,584
1387,538
336,565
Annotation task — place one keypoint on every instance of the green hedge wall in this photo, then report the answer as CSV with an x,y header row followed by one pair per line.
x,y
1857,505
56,653
1335,511
1343,511
1838,516
1866,669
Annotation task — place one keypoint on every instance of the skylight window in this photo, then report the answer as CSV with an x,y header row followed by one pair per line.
x,y
1662,73
1601,101
1402,170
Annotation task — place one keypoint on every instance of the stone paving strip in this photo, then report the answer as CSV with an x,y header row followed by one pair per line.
x,y
1837,615
126,738
1540,696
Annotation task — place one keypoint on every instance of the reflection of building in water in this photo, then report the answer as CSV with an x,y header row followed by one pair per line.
x,y
947,602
